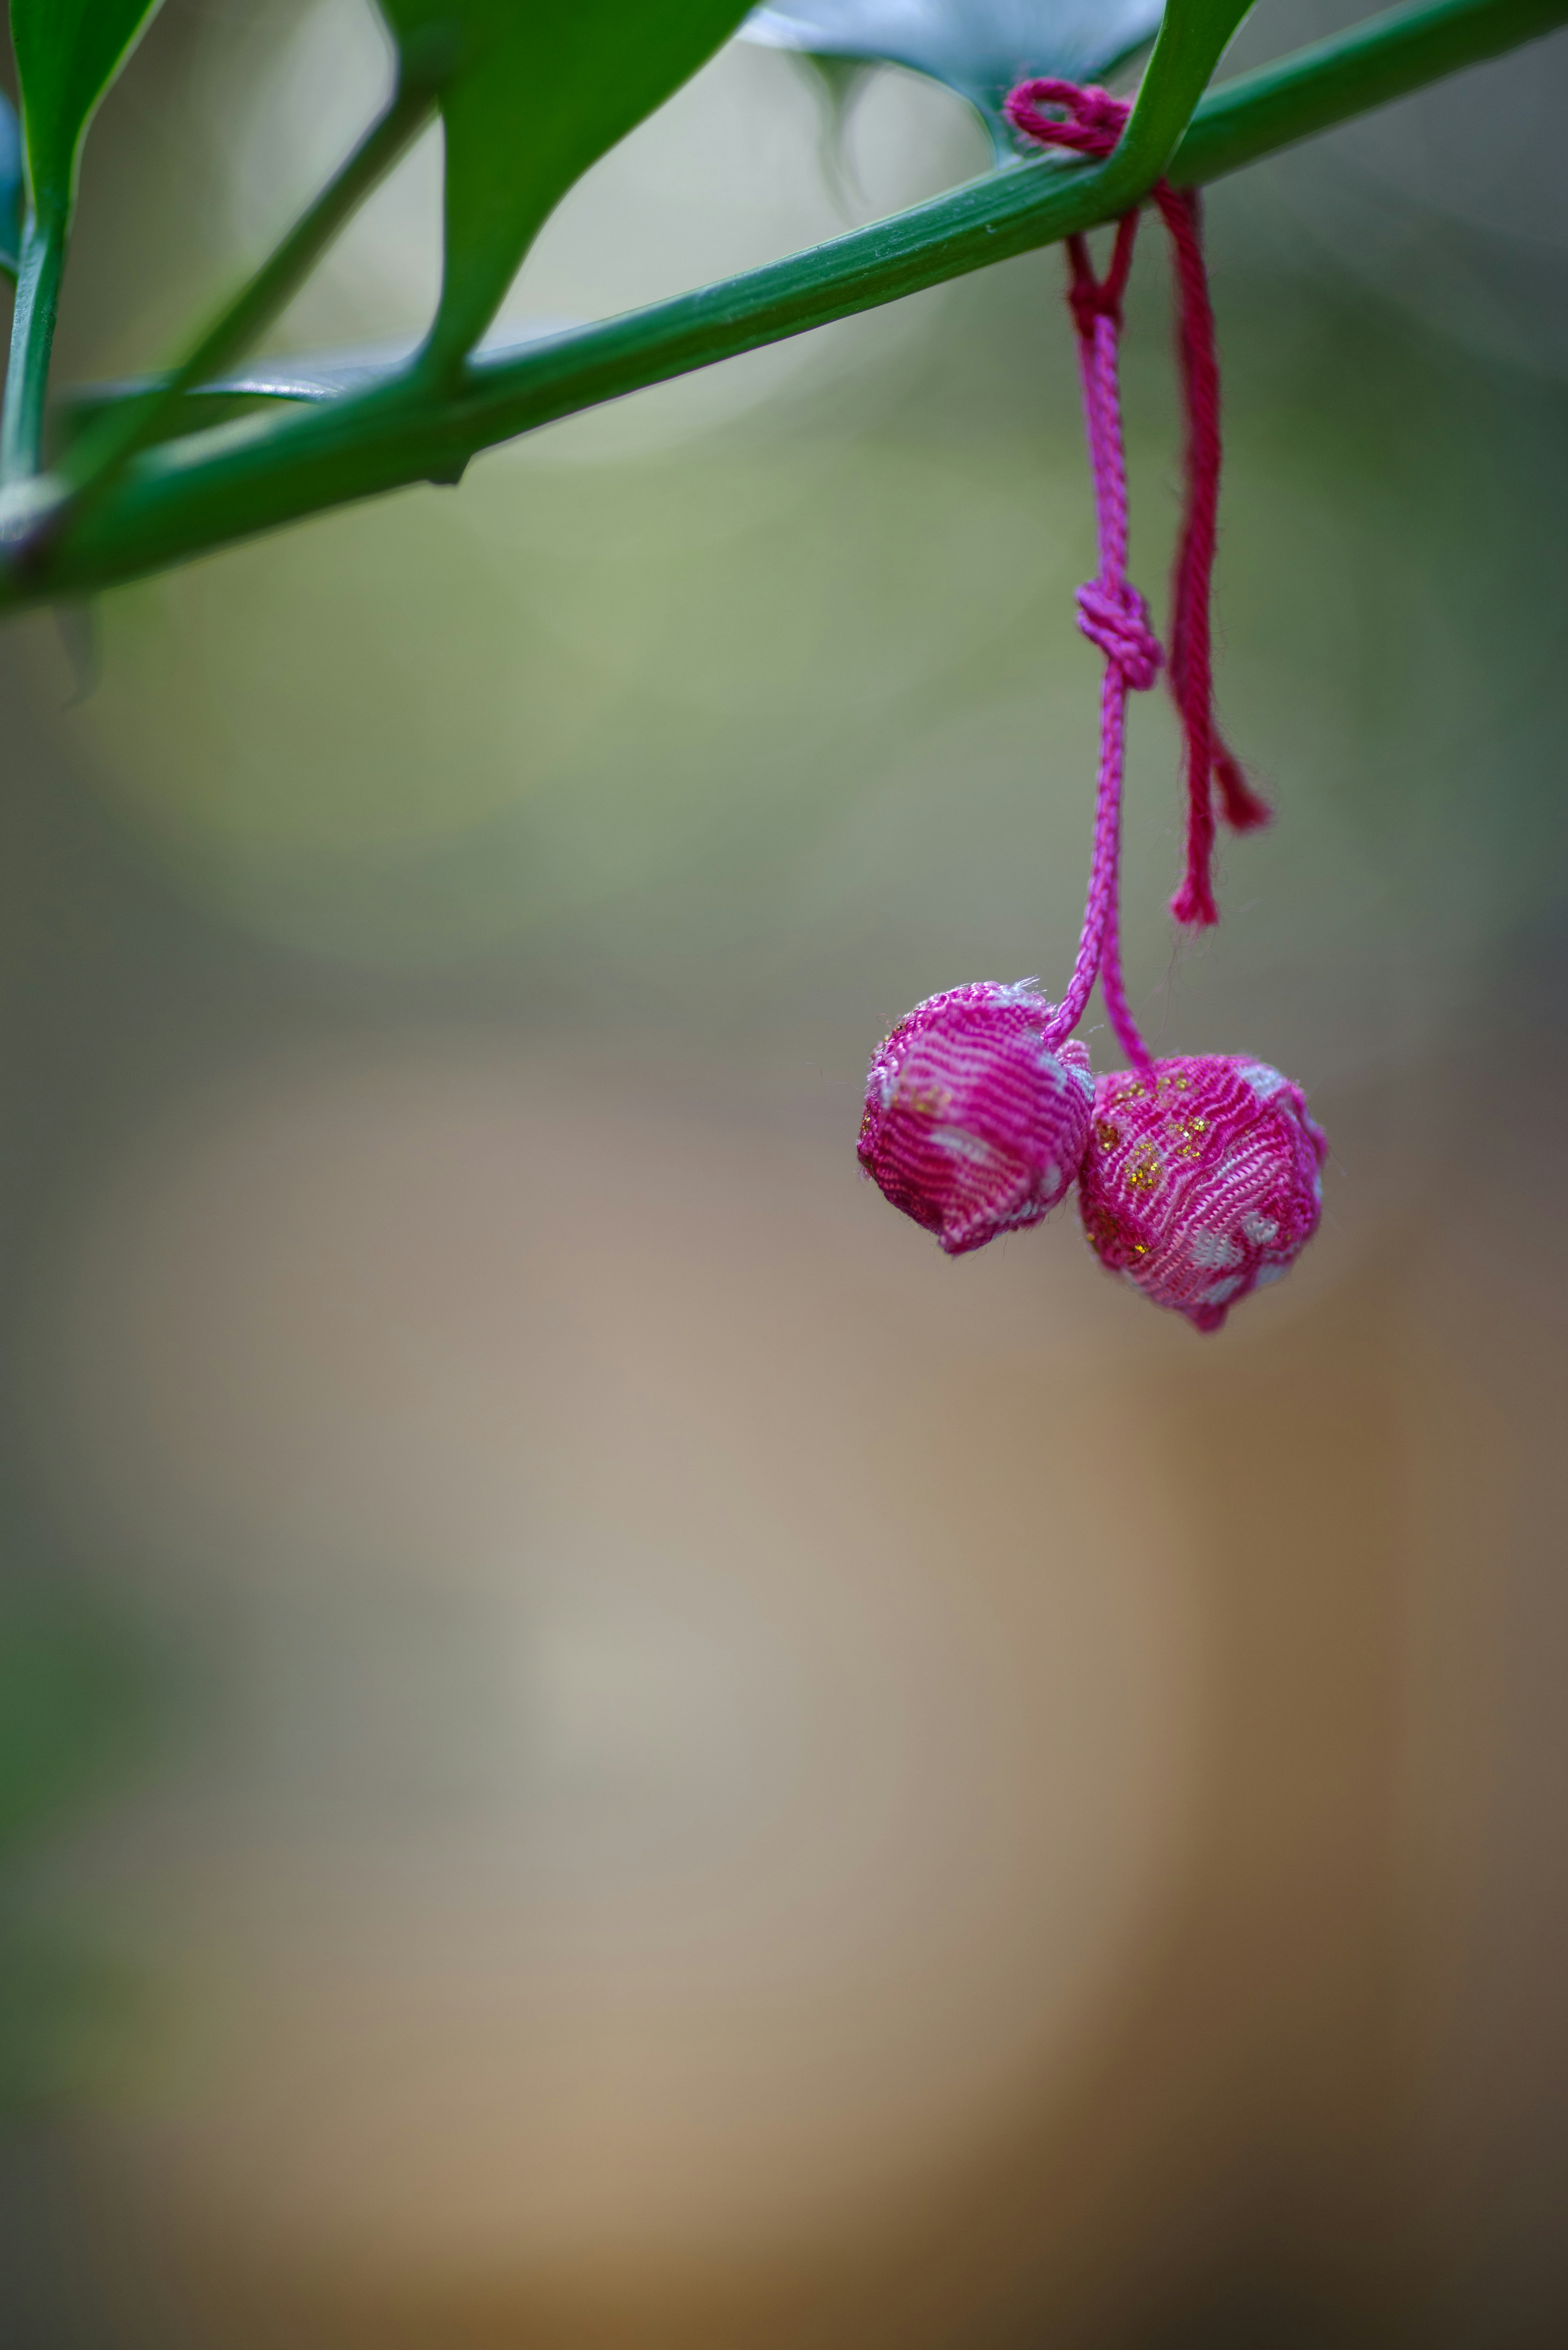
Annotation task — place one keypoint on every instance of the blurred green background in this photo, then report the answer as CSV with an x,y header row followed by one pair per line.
x,y
596,1746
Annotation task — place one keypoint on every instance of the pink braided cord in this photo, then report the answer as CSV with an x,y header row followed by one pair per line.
x,y
1112,614
1113,617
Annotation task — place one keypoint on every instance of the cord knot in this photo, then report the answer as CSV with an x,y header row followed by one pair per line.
x,y
1116,619
1090,298
1090,123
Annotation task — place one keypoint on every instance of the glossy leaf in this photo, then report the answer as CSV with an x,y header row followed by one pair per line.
x,y
313,379
532,92
224,488
67,54
10,186
978,48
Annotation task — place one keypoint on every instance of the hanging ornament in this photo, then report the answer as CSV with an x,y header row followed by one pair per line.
x,y
1199,1178
973,1124
1201,1181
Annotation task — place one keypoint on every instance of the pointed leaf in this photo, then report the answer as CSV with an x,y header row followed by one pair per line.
x,y
67,53
10,186
314,378
532,92
978,48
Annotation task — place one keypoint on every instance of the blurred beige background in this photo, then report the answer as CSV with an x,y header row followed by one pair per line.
x,y
684,1771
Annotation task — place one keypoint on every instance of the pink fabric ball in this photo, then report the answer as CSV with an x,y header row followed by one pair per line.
x,y
973,1125
1201,1181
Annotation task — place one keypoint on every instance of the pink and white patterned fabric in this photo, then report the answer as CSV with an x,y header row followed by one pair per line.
x,y
973,1126
1201,1181
1200,1178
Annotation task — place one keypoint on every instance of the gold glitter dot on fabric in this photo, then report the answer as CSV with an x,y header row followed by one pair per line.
x,y
1215,1186
1142,1171
931,1101
1107,1135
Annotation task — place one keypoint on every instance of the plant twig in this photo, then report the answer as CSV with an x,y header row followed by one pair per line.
x,y
218,486
1384,57
1192,40
41,265
102,453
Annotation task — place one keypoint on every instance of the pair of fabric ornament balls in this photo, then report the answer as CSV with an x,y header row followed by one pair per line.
x,y
1198,1179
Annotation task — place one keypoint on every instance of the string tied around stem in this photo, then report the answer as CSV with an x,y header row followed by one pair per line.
x,y
1090,122
1198,1178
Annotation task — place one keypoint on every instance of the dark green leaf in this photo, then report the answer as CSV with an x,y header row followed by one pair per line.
x,y
10,186
67,53
77,1710
185,500
66,2011
314,378
72,1710
532,92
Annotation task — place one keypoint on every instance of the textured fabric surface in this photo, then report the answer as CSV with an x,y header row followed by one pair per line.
x,y
1201,1181
973,1126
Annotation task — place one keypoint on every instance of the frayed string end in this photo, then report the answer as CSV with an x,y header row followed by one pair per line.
x,y
1193,905
1244,809
1090,123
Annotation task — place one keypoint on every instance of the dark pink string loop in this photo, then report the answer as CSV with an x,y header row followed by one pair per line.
x,y
1089,121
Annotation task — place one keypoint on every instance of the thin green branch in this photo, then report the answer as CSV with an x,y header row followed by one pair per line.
x,y
1350,73
213,488
41,266
101,455
1192,40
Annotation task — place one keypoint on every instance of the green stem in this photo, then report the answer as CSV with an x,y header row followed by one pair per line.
x,y
208,491
102,452
41,266
1193,37
1350,73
